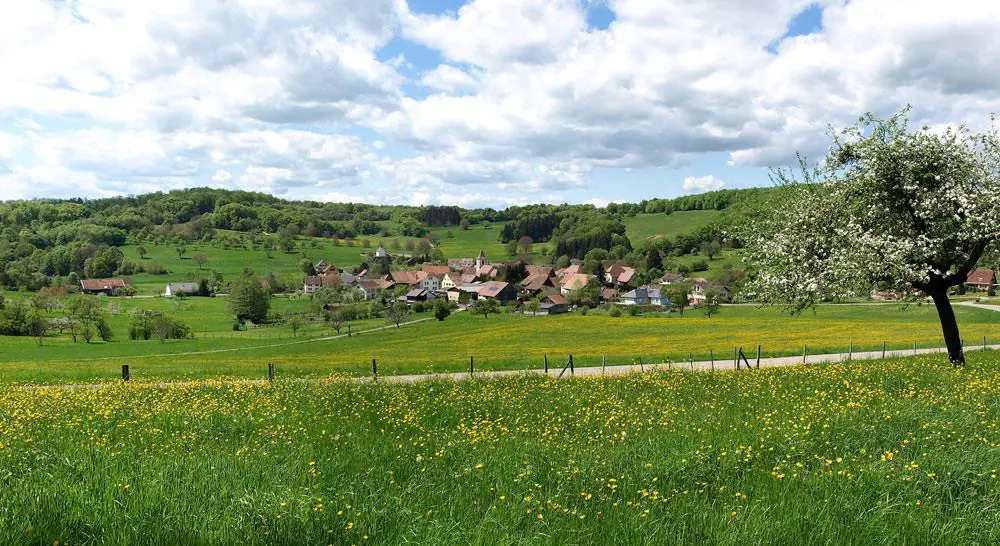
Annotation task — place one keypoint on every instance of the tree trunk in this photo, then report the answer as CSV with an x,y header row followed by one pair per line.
x,y
949,326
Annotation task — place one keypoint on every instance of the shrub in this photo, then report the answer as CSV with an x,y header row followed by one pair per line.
x,y
584,309
700,265
615,311
632,310
419,307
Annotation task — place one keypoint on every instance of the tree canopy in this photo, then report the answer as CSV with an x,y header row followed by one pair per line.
x,y
893,208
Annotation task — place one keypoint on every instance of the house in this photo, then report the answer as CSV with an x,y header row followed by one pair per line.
x,y
418,295
638,296
534,284
180,289
450,280
102,287
411,278
322,267
554,304
671,278
619,275
573,282
498,290
540,271
887,295
488,271
646,295
463,294
571,270
608,294
439,270
431,282
381,254
312,283
371,287
983,280
658,296
461,263
700,286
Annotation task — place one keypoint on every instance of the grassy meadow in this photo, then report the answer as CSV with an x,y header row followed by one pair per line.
x,y
901,451
497,342
642,227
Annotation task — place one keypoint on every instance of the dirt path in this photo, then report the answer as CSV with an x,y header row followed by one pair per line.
x,y
558,372
975,305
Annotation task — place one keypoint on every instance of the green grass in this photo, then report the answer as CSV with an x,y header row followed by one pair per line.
x,y
641,227
498,342
896,452
468,243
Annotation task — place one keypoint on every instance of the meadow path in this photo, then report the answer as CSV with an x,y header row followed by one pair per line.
x,y
557,371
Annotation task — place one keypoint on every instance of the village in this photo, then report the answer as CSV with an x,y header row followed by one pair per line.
x,y
463,281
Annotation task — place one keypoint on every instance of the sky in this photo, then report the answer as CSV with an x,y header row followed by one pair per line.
x,y
466,102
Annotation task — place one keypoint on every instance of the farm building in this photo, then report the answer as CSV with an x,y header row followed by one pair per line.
x,y
180,289
554,304
573,282
646,295
438,270
102,287
619,276
984,280
463,294
498,290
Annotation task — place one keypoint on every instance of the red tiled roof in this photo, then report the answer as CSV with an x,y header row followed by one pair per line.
x,y
102,284
408,277
492,288
438,270
575,281
982,277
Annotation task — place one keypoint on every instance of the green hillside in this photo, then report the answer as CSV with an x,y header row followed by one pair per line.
x,y
641,227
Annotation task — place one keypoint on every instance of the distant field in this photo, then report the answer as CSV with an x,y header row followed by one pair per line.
x,y
641,227
468,243
897,452
231,261
498,342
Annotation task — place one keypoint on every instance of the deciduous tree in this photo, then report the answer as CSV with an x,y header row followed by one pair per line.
x,y
890,207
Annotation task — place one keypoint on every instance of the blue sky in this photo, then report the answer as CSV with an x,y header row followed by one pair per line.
x,y
470,102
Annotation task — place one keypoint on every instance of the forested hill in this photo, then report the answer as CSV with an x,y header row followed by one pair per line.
x,y
41,239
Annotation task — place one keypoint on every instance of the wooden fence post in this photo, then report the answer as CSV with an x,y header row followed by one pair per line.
x,y
803,354
125,373
711,354
604,362
883,350
984,343
572,371
850,350
270,372
472,366
545,359
758,356
691,357
914,348
374,370
736,363
641,369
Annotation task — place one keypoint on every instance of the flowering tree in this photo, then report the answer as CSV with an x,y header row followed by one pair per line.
x,y
911,211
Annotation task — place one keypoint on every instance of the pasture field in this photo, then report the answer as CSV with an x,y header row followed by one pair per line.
x,y
641,227
899,451
497,342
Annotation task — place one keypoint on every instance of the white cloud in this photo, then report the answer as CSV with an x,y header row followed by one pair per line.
x,y
700,184
449,78
111,96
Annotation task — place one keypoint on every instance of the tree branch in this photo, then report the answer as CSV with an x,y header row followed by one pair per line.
x,y
961,275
